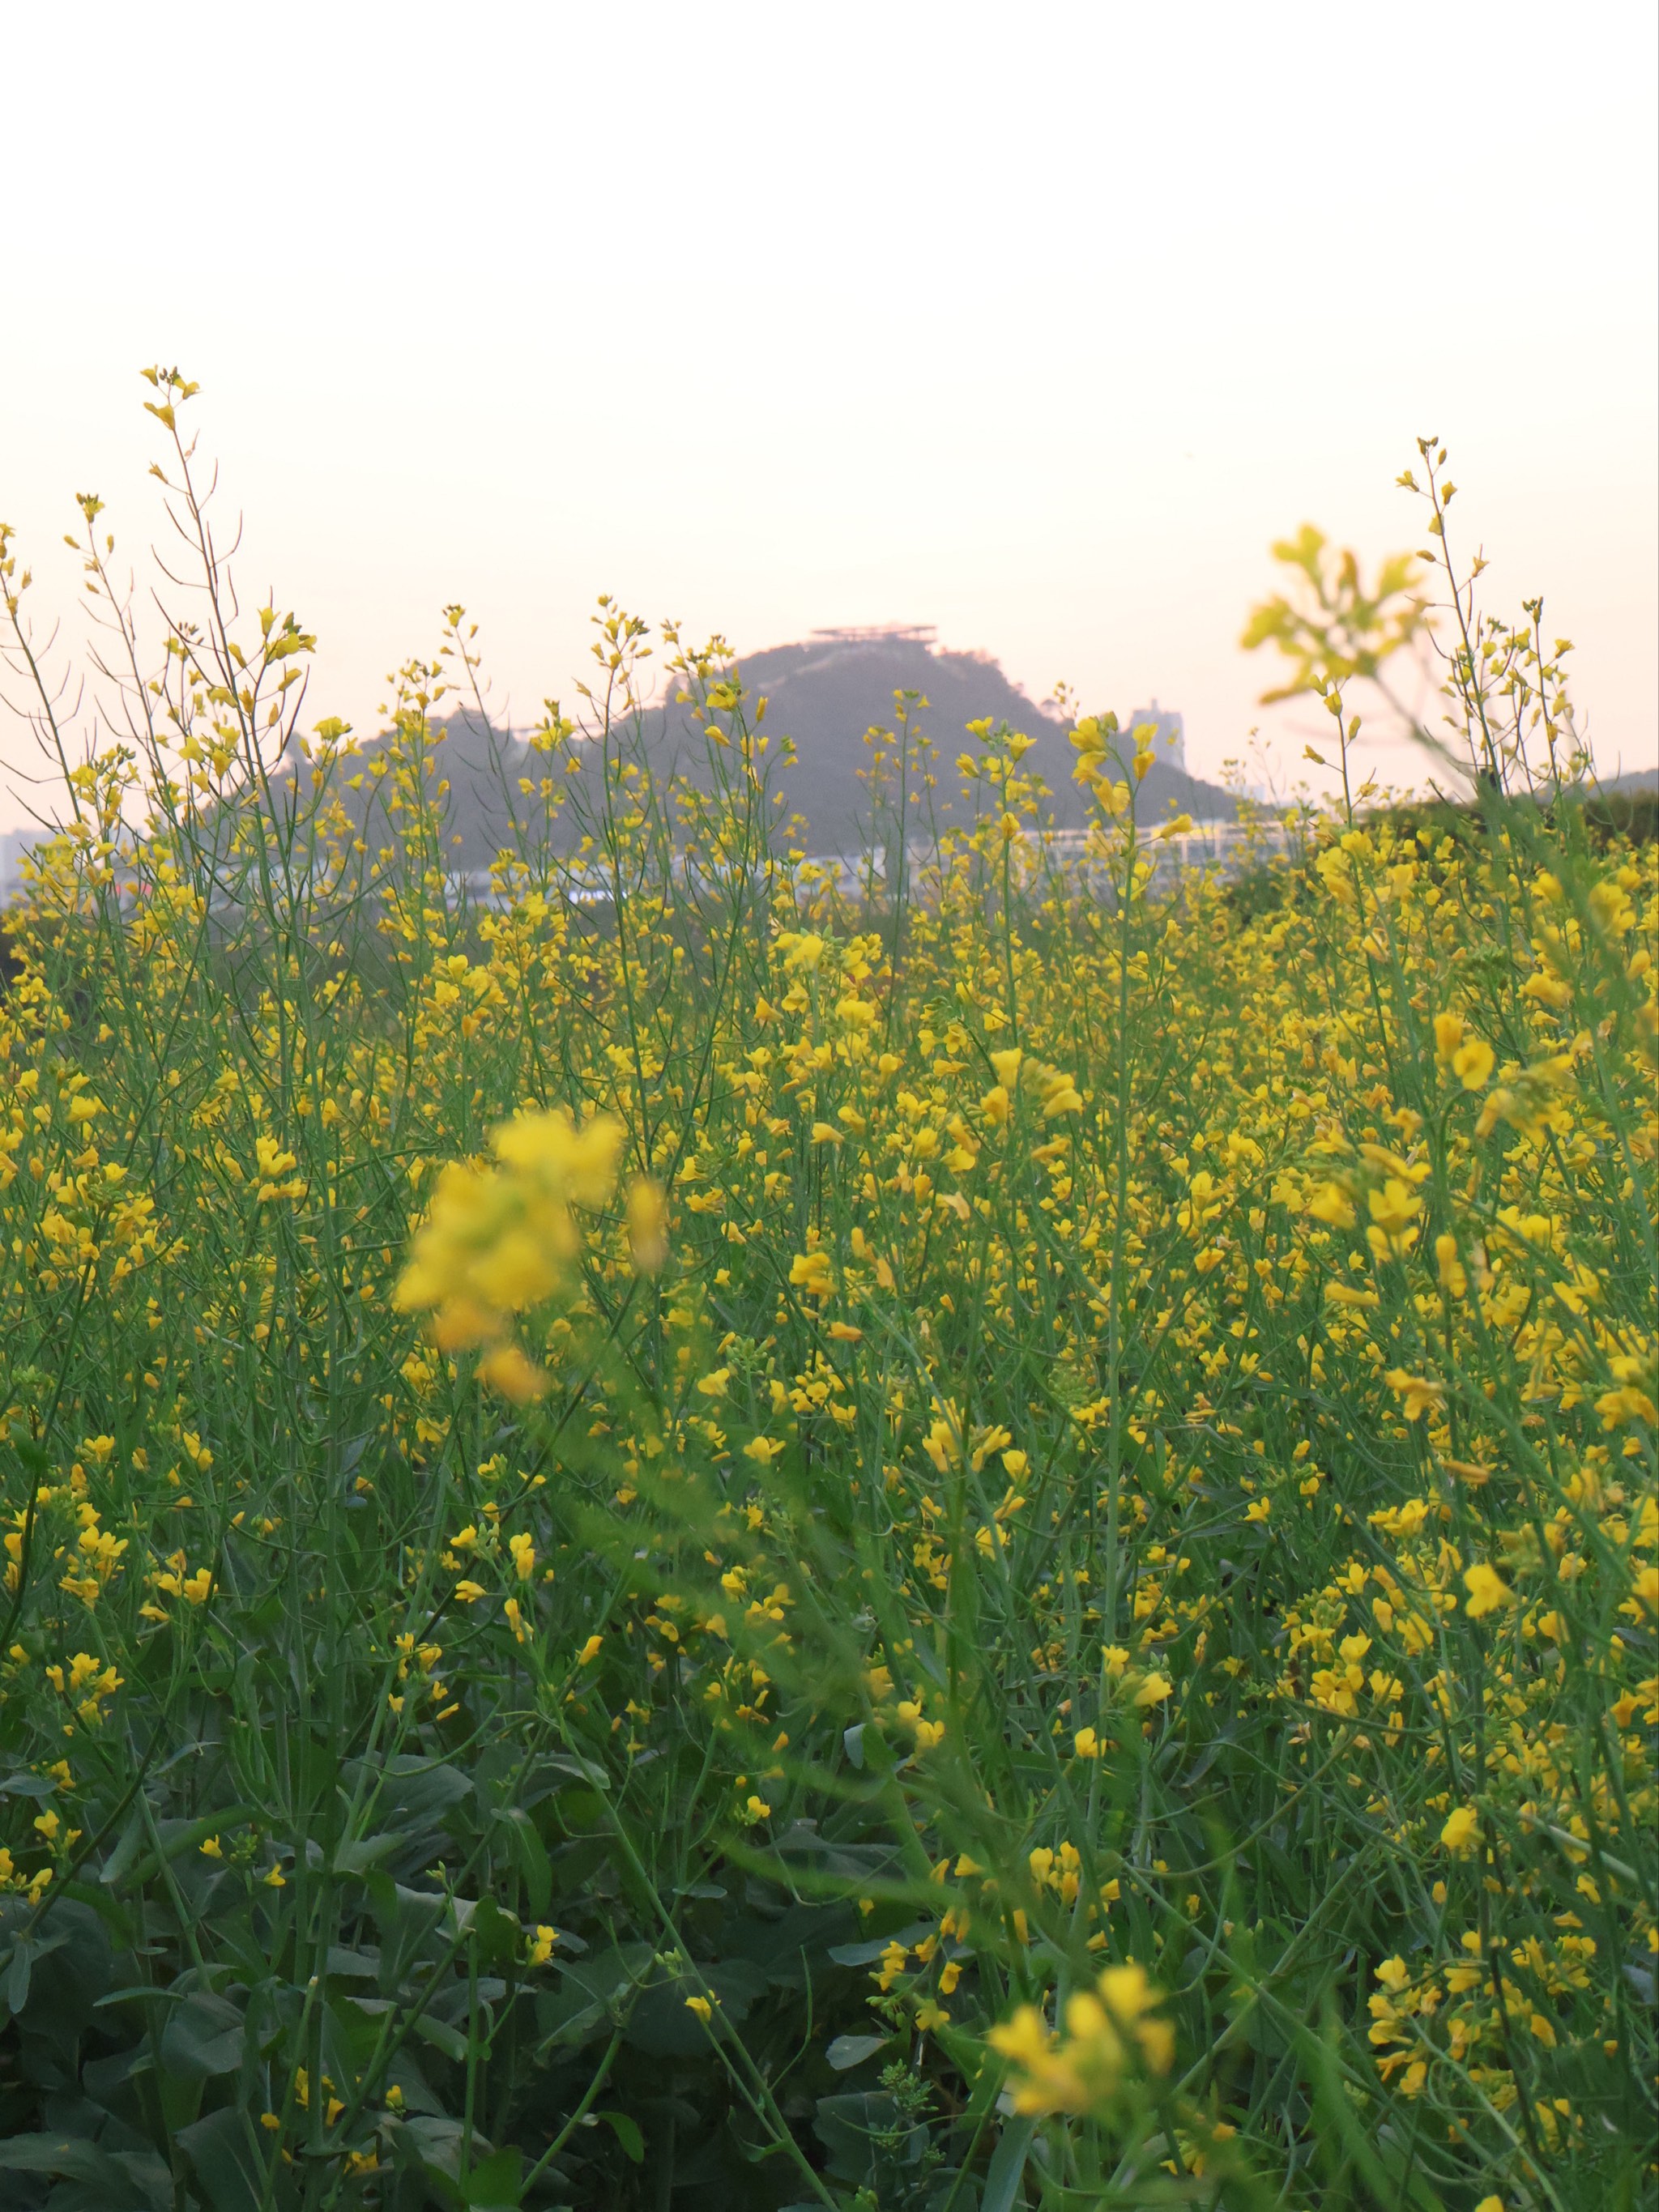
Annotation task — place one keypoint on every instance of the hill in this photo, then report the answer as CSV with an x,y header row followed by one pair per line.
x,y
827,693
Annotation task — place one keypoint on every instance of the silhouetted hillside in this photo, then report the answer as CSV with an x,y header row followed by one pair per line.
x,y
826,694
1634,782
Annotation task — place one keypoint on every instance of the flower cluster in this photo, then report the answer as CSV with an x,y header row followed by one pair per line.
x,y
498,1242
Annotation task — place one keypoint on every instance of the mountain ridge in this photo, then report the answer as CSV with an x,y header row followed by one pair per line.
x,y
829,693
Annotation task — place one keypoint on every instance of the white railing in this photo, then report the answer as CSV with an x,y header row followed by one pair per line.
x,y
1226,845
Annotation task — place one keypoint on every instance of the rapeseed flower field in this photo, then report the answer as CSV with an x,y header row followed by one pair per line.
x,y
672,1538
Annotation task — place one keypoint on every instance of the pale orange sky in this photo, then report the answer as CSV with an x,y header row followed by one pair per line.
x,y
1036,325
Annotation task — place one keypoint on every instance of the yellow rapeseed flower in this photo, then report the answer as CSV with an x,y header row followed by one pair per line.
x,y
1462,1830
1487,1591
810,1272
499,1241
802,950
1107,2031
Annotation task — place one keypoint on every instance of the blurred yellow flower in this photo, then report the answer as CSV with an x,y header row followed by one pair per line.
x,y
1418,1393
1473,1063
1461,1830
810,1272
802,950
647,1225
497,1240
1487,1591
1108,2031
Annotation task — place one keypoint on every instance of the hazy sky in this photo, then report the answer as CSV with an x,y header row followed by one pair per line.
x,y
1036,324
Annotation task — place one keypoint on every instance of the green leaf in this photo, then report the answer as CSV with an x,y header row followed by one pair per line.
x,y
147,2187
848,2126
496,2184
442,2037
407,1919
27,1951
432,2147
628,2135
126,1851
179,1837
496,1933
203,2036
413,1788
28,1785
353,1965
116,1919
850,2051
1007,2166
858,1954
222,2151
530,1853
71,2157
359,1857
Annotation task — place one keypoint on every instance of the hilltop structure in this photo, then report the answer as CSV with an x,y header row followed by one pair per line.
x,y
1169,740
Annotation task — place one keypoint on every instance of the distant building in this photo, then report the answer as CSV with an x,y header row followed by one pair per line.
x,y
1171,744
